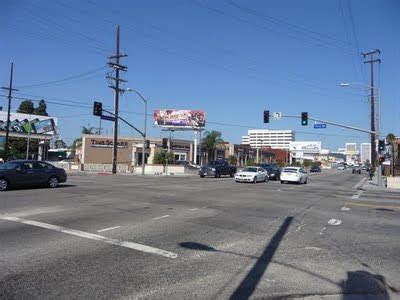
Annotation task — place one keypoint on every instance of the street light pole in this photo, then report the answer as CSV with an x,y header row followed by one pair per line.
x,y
145,128
378,130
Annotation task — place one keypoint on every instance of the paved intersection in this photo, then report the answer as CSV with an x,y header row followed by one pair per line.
x,y
220,239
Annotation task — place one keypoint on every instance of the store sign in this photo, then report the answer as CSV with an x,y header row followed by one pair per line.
x,y
107,143
308,147
179,118
28,124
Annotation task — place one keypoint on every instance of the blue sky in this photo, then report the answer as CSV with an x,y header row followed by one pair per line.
x,y
232,58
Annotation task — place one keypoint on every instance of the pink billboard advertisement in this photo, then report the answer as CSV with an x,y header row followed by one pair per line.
x,y
179,118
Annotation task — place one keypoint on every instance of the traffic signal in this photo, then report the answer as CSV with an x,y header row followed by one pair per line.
x,y
381,145
147,144
97,108
165,143
304,119
266,116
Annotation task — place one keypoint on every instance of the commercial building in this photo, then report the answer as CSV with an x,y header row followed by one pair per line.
x,y
304,150
275,139
352,155
365,152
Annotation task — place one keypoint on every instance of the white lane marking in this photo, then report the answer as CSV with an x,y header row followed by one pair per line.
x,y
312,248
109,228
162,217
345,208
356,196
96,237
322,230
334,222
193,209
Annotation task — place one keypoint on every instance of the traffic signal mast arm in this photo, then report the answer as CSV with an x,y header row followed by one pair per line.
x,y
332,123
126,122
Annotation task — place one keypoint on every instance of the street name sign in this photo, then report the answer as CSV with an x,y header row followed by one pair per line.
x,y
319,126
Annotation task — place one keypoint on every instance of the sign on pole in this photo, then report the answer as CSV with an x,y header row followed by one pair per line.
x,y
108,118
277,116
319,126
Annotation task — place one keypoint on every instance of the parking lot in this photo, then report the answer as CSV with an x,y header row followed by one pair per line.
x,y
190,237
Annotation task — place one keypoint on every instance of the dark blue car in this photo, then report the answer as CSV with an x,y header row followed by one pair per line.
x,y
27,173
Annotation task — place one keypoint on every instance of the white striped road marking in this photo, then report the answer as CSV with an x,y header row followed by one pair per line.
x,y
96,237
109,228
322,230
193,209
357,195
334,222
162,217
345,208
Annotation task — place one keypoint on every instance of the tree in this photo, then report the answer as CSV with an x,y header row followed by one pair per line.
x,y
78,142
250,162
210,142
87,130
232,160
26,107
391,139
307,163
160,157
41,109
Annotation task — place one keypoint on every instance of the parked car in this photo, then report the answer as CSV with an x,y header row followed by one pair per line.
x,y
315,169
217,168
25,173
356,170
273,170
252,174
341,167
294,174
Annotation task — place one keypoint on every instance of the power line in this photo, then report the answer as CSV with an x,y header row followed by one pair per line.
x,y
66,79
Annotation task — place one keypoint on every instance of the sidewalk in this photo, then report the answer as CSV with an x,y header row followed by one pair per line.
x,y
372,185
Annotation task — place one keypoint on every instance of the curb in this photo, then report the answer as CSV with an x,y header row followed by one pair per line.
x,y
360,184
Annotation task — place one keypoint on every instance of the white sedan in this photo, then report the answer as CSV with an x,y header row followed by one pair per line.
x,y
294,174
252,174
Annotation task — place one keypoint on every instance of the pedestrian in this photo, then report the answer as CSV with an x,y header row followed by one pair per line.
x,y
370,173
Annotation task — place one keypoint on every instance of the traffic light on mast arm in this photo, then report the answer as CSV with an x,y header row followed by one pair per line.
x,y
266,116
97,108
304,119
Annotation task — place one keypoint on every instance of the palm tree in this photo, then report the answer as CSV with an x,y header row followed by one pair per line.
x,y
210,142
391,139
78,142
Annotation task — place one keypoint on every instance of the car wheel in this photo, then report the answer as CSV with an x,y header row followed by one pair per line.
x,y
231,175
282,182
305,182
202,176
53,182
3,184
255,179
265,179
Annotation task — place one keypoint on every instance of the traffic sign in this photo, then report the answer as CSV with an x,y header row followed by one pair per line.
x,y
319,126
108,118
277,116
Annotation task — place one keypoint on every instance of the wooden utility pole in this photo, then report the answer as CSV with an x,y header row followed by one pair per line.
x,y
115,65
10,90
371,61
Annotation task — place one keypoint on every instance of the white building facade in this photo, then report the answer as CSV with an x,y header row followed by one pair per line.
x,y
276,139
305,150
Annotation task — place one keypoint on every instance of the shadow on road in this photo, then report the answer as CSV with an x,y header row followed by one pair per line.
x,y
363,283
250,282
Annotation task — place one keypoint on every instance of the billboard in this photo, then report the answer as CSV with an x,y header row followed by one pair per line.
x,y
179,118
351,148
26,123
307,147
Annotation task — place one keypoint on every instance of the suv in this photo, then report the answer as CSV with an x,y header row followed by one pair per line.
x,y
217,168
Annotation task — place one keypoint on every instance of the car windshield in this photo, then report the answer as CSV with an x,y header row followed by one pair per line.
x,y
253,170
9,166
289,170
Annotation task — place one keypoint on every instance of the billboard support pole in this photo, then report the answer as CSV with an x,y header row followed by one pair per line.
x,y
29,137
195,147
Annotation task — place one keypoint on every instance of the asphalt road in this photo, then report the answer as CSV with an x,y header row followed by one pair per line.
x,y
113,237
